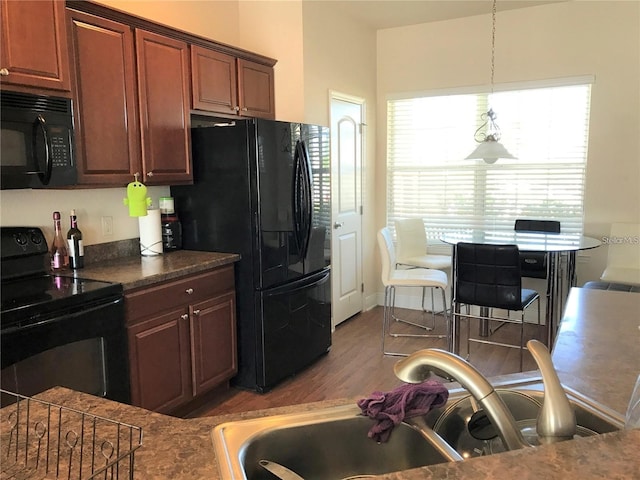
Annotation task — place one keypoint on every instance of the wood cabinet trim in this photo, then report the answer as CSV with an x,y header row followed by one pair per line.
x,y
171,32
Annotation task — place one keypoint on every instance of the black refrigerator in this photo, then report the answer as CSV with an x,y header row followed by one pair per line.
x,y
262,189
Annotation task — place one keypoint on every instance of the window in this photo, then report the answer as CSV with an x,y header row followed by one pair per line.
x,y
428,137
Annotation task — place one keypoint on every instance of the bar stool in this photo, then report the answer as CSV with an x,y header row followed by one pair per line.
x,y
413,252
393,277
489,277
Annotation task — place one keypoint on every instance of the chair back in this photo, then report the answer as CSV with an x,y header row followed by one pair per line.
x,y
387,255
624,251
412,238
538,226
488,275
534,264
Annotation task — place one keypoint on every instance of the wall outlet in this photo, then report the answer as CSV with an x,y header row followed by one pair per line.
x,y
107,226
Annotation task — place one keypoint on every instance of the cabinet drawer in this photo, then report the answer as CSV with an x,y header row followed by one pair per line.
x,y
176,293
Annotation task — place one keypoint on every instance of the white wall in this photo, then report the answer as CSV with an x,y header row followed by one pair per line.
x,y
599,38
215,19
339,55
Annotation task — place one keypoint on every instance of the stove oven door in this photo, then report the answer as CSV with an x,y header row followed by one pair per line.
x,y
84,349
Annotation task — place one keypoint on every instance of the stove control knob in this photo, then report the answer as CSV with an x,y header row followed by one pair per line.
x,y
36,237
20,238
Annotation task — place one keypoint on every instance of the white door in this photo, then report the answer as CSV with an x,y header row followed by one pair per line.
x,y
347,114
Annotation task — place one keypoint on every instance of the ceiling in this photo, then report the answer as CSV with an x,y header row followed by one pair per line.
x,y
380,14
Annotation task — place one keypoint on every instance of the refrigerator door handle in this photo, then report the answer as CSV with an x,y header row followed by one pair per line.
x,y
308,196
302,198
299,284
296,195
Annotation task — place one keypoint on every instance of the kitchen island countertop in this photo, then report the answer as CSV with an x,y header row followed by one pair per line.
x,y
182,448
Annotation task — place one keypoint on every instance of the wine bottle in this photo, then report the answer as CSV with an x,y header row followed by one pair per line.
x,y
58,251
74,240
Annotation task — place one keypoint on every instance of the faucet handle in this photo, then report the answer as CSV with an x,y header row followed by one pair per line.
x,y
556,420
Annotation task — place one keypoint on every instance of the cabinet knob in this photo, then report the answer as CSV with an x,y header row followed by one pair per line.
x,y
184,316
189,291
235,109
150,174
4,72
245,109
196,312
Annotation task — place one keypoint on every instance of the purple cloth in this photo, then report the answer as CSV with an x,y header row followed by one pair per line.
x,y
408,400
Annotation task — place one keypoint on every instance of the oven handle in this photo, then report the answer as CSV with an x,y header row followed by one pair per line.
x,y
61,315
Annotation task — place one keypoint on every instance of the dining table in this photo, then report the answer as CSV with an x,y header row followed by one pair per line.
x,y
561,253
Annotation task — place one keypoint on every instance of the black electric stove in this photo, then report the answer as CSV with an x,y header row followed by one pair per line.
x,y
30,295
58,329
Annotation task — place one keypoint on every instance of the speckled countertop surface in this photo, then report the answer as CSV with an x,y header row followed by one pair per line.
x,y
140,271
182,448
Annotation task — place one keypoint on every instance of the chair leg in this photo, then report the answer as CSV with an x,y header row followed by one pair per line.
x,y
521,338
418,325
385,318
389,314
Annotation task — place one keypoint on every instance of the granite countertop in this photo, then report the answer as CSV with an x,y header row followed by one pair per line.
x,y
138,271
175,448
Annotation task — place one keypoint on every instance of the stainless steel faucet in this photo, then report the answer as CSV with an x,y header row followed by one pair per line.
x,y
556,415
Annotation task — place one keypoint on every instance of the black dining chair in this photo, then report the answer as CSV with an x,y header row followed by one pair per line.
x,y
488,277
534,264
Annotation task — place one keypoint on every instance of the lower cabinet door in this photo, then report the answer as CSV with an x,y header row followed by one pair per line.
x,y
213,342
159,353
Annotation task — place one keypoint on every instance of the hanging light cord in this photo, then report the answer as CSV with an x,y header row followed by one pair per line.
x,y
493,132
493,41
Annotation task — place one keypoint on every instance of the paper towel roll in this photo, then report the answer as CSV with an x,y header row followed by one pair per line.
x,y
150,233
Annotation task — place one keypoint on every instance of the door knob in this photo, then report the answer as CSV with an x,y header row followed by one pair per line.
x,y
338,225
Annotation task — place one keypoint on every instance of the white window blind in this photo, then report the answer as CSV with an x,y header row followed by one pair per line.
x,y
427,176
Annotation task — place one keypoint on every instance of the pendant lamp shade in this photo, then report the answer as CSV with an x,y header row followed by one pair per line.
x,y
490,149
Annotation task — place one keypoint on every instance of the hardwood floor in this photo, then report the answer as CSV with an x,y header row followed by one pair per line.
x,y
355,366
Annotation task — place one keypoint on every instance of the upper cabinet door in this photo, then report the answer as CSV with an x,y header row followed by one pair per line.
x,y
164,97
34,44
213,81
106,107
256,90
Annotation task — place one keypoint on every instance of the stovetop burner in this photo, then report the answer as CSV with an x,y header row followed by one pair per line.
x,y
29,294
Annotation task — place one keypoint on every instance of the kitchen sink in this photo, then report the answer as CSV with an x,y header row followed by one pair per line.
x,y
329,443
332,443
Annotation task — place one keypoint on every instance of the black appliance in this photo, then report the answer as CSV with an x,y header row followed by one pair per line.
x,y
57,329
261,189
36,142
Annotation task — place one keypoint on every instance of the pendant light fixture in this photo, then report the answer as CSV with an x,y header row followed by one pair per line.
x,y
490,148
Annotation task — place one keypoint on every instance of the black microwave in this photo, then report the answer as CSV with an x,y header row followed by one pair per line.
x,y
37,141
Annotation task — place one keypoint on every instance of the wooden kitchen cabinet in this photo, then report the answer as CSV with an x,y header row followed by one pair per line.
x,y
107,133
34,46
255,90
213,342
182,339
160,364
132,103
164,100
226,84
